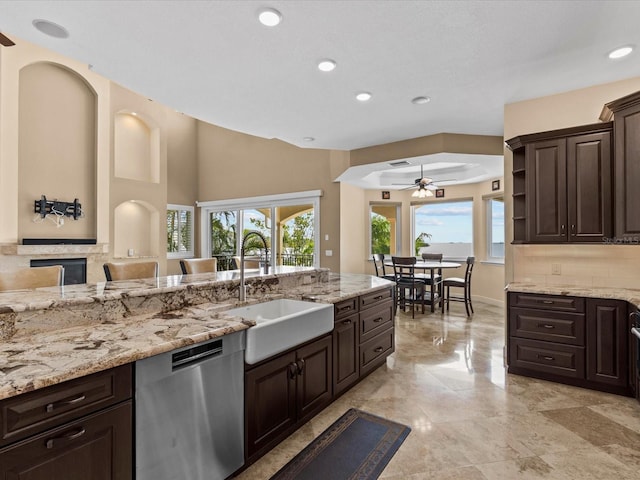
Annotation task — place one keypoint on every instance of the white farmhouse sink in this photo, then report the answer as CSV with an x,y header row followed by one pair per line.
x,y
282,324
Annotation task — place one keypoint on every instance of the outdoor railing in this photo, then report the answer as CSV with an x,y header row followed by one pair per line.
x,y
226,262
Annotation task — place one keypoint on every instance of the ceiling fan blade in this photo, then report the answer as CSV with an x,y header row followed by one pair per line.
x,y
6,41
445,180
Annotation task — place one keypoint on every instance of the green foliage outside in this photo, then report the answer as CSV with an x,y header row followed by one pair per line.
x,y
223,233
297,235
380,234
178,230
421,241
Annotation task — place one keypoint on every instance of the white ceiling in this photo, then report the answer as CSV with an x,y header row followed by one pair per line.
x,y
213,61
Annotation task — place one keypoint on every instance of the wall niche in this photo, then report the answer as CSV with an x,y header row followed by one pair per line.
x,y
136,148
135,230
57,149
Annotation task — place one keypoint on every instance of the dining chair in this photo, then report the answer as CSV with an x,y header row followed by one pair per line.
x,y
432,256
378,263
32,277
410,290
198,265
464,283
130,271
248,263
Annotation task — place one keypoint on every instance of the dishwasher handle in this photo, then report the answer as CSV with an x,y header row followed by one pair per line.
x,y
197,353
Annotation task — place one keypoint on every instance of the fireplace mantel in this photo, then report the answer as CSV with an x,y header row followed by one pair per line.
x,y
49,250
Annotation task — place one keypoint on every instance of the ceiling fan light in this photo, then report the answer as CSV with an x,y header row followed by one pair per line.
x,y
429,193
416,193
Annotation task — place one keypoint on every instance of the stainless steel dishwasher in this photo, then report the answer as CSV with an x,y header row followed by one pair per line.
x,y
190,411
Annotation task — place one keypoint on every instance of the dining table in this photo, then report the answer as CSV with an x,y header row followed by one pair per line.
x,y
435,267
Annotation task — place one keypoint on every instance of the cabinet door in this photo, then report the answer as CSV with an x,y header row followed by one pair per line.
x,y
314,389
607,342
345,353
547,162
97,447
589,193
627,172
270,406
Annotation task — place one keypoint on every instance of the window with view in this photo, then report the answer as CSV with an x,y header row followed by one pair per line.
x,y
179,231
444,227
495,228
384,227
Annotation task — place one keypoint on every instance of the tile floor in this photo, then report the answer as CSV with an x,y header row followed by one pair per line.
x,y
470,420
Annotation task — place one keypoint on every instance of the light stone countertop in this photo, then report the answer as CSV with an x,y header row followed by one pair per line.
x,y
631,295
44,348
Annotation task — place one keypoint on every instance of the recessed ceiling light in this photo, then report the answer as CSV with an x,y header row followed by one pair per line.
x,y
308,139
134,114
50,28
269,17
421,100
326,65
620,52
363,96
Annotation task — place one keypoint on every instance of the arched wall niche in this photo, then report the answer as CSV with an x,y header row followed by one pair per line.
x,y
136,147
135,228
57,148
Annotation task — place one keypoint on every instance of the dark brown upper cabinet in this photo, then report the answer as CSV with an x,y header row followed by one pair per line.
x,y
562,185
626,123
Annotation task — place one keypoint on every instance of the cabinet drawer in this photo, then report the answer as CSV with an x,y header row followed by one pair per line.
x,y
547,302
557,327
373,351
95,447
375,320
345,308
34,412
374,298
557,359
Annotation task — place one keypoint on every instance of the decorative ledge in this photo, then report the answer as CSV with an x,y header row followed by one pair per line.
x,y
33,250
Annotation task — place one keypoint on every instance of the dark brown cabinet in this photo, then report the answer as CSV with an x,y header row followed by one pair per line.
x,y
346,367
563,185
580,341
285,391
626,120
71,431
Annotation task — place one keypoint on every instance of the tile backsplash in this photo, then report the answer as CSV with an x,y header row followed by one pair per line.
x,y
582,265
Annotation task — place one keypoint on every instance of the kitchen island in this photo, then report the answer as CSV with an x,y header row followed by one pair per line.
x,y
50,335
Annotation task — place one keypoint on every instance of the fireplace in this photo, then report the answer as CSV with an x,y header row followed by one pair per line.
x,y
75,269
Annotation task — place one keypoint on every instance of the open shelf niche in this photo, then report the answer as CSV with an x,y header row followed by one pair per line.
x,y
136,148
135,228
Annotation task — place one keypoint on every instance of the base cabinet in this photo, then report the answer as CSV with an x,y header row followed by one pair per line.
x,y
76,430
283,392
574,340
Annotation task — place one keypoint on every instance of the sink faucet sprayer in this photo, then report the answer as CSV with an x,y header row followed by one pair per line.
x,y
243,288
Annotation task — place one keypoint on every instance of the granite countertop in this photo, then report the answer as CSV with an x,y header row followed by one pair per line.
x,y
36,355
631,295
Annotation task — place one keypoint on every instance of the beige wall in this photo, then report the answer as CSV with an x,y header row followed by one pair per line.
x,y
237,165
354,228
597,265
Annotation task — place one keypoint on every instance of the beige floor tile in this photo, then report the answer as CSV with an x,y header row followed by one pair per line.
x,y
589,464
530,468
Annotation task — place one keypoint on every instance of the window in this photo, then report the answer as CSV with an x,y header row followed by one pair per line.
x,y
291,219
179,231
495,228
444,227
384,228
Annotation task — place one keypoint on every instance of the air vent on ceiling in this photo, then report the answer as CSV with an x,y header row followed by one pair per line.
x,y
399,163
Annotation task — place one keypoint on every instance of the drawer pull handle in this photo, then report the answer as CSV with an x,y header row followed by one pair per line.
x,y
300,365
546,357
344,309
51,443
379,297
346,322
547,302
546,325
378,349
378,320
65,403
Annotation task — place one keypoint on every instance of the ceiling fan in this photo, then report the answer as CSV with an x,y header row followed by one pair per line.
x,y
425,185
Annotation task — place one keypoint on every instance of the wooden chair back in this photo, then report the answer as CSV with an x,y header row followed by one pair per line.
x,y
432,256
